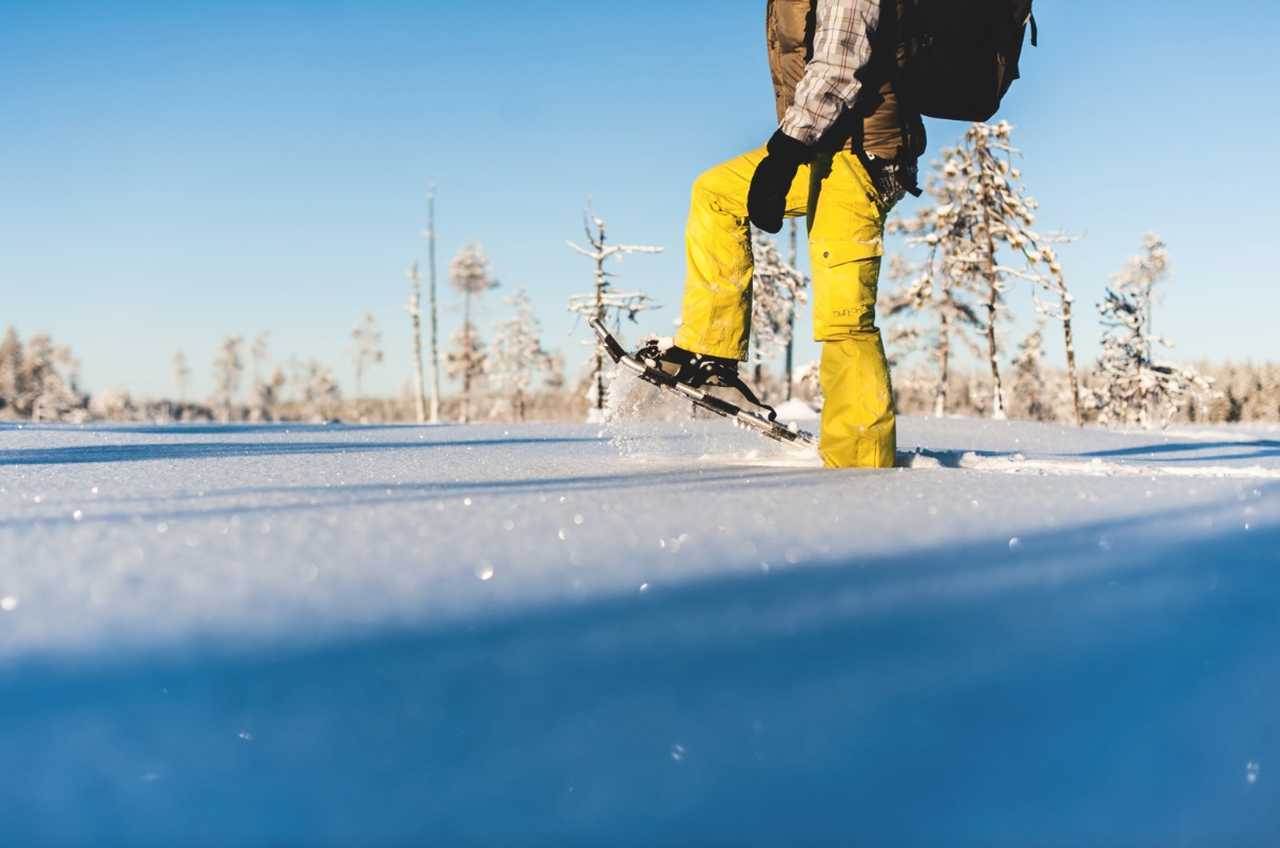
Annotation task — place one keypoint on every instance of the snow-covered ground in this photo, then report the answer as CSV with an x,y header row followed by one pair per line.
x,y
659,633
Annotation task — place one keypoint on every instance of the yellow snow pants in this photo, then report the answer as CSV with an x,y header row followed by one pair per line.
x,y
846,241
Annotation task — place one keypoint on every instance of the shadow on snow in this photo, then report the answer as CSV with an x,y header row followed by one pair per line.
x,y
967,695
1256,449
221,450
211,504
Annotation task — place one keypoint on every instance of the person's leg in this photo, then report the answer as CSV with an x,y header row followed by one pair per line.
x,y
846,241
716,314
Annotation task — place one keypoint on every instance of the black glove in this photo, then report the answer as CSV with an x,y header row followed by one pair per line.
x,y
767,197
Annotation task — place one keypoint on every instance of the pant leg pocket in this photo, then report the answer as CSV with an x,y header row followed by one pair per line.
x,y
846,273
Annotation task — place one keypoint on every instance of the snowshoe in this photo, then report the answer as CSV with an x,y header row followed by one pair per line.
x,y
689,375
693,369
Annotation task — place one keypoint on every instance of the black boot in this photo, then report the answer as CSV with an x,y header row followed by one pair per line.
x,y
693,369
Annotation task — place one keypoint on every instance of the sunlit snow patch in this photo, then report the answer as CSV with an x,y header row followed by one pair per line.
x,y
797,411
1017,463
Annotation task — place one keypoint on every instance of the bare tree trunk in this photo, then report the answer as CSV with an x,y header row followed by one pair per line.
x,y
1149,410
415,315
602,281
602,302
993,301
997,389
944,364
792,257
1069,341
431,294
466,362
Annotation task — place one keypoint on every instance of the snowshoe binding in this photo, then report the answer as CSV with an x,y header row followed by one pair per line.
x,y
692,369
689,374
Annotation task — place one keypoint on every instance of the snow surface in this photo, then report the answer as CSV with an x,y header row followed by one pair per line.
x,y
797,411
658,633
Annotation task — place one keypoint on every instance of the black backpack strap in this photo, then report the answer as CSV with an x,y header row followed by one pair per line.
x,y
914,135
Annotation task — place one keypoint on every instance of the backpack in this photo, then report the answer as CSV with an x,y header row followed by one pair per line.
x,y
961,56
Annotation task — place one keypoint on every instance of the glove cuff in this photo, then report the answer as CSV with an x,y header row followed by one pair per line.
x,y
787,149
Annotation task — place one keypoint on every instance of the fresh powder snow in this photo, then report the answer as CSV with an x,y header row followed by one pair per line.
x,y
651,632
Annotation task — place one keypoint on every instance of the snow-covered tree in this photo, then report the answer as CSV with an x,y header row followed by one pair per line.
x,y
946,305
10,371
297,379
1133,387
979,234
793,255
604,302
320,394
414,308
266,394
113,405
777,291
366,349
1246,392
470,275
465,361
554,378
46,381
181,374
228,369
264,391
517,355
900,342
808,381
1030,393
260,356
1054,284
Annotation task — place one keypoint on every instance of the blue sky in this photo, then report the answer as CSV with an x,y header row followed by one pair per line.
x,y
171,173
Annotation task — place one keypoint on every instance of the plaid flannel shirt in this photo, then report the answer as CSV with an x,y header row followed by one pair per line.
x,y
841,48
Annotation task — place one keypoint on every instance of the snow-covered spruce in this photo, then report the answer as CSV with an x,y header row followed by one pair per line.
x,y
267,383
1133,386
1029,390
604,302
321,397
979,238
777,292
517,358
228,371
470,276
464,360
38,380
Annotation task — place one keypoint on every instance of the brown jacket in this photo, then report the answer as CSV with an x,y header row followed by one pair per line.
x,y
876,123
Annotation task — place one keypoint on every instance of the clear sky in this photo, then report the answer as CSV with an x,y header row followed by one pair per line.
x,y
171,173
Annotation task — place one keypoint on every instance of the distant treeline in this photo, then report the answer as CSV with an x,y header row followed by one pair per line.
x,y
39,381
1242,392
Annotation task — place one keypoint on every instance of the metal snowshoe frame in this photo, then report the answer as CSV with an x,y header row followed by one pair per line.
x,y
766,425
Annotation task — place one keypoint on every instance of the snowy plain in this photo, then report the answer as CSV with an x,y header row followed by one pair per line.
x,y
651,633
